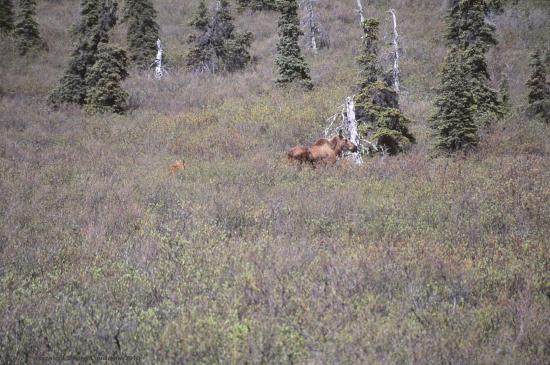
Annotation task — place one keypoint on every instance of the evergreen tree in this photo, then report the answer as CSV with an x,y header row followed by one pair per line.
x,y
235,51
258,4
143,31
467,26
486,102
368,59
6,16
221,27
291,63
200,56
539,89
26,29
377,104
104,92
200,20
217,47
453,122
97,19
469,31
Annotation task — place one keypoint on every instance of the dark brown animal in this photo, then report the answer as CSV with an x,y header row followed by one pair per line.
x,y
323,151
298,153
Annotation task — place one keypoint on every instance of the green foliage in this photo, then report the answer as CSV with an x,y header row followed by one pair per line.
x,y
290,62
467,26
6,16
235,51
105,93
453,123
200,56
539,89
217,47
377,104
200,19
26,29
469,31
143,31
486,104
97,19
368,59
258,4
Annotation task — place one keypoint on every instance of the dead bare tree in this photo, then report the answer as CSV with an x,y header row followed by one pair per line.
x,y
160,70
360,11
396,51
318,38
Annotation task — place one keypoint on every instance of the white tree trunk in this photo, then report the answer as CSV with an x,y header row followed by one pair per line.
x,y
311,25
360,11
396,51
351,126
159,67
313,44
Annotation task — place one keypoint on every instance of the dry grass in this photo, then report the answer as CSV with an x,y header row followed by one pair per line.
x,y
241,258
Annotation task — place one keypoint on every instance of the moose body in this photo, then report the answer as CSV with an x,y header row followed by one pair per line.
x,y
299,153
323,151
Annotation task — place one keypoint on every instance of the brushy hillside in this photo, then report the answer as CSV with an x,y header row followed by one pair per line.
x,y
241,258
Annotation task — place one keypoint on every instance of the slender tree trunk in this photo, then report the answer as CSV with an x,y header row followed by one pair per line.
x,y
396,51
160,71
351,125
311,24
360,11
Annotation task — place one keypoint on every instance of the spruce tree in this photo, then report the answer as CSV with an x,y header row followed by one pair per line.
x,y
539,89
467,26
200,19
200,54
143,31
105,93
6,16
221,27
453,122
368,59
291,63
26,28
258,4
470,32
377,104
216,46
97,19
486,102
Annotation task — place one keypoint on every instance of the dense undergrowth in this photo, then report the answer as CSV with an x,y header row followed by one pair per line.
x,y
242,258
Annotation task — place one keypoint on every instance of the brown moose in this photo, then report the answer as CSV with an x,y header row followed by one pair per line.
x,y
323,151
